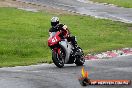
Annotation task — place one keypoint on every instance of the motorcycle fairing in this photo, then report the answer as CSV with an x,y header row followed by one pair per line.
x,y
68,48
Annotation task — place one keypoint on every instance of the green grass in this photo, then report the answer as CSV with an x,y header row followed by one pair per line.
x,y
122,3
23,35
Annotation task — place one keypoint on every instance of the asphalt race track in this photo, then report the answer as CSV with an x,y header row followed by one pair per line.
x,y
49,76
85,7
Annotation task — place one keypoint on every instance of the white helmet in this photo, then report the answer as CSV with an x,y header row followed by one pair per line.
x,y
54,21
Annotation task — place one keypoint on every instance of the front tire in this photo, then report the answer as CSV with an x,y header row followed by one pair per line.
x,y
58,59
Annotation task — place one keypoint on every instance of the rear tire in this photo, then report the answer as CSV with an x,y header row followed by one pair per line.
x,y
80,58
79,61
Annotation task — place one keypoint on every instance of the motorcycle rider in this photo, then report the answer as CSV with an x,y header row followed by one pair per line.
x,y
65,33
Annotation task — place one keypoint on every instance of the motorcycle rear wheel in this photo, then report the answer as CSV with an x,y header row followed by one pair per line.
x,y
79,58
79,61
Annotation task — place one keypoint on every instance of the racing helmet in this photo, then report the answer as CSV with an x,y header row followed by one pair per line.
x,y
54,21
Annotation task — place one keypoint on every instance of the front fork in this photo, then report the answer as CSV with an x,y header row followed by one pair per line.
x,y
57,50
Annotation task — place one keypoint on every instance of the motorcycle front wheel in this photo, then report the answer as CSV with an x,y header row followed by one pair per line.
x,y
58,59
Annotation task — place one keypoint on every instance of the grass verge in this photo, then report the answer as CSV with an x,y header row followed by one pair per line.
x,y
23,35
122,3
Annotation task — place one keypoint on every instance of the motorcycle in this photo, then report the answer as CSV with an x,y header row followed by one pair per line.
x,y
63,51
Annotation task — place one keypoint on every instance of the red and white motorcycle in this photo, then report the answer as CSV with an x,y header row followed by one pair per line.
x,y
62,51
